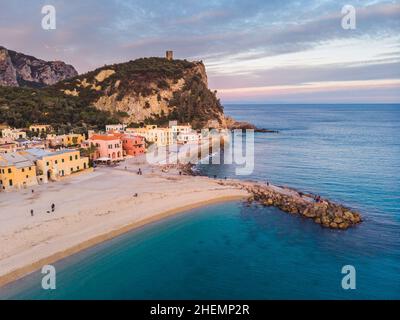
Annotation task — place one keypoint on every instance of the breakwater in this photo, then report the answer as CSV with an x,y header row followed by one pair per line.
x,y
322,211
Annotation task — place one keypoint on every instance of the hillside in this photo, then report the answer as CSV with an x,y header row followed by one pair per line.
x,y
149,90
146,90
21,107
20,70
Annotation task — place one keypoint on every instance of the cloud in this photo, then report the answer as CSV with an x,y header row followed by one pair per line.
x,y
235,38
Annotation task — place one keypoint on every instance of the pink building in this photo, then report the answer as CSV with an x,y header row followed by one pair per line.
x,y
108,146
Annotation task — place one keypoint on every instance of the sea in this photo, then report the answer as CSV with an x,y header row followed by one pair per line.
x,y
234,250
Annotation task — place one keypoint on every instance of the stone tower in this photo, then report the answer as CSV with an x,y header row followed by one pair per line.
x,y
169,55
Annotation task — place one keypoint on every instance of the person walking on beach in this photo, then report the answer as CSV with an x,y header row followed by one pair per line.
x,y
53,207
31,212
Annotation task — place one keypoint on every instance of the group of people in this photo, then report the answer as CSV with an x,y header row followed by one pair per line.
x,y
53,209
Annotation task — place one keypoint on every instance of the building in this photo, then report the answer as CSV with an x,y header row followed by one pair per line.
x,y
184,129
153,134
110,128
7,145
133,145
109,147
66,140
13,134
16,172
39,129
169,55
53,165
191,137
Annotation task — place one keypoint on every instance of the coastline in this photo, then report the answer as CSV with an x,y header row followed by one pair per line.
x,y
29,244
26,270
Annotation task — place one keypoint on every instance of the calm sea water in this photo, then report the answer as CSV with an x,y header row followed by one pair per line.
x,y
349,153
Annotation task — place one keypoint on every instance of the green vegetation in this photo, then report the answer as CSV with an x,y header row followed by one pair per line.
x,y
136,76
21,107
195,104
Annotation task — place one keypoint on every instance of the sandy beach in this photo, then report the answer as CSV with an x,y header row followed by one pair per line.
x,y
91,208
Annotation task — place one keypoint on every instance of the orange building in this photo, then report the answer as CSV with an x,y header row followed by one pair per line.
x,y
133,145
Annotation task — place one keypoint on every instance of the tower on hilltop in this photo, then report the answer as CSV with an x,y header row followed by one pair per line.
x,y
169,55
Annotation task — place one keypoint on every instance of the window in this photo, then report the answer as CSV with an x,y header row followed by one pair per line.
x,y
56,161
47,163
72,170
70,158
9,170
76,157
62,160
77,168
30,168
10,182
23,169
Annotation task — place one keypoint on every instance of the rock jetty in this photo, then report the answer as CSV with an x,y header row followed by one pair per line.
x,y
323,211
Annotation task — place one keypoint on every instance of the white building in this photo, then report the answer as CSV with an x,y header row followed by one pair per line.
x,y
115,128
13,134
191,137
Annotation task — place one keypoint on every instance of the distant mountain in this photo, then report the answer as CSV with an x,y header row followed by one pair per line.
x,y
20,70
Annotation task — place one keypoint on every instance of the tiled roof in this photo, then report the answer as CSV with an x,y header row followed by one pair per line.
x,y
103,137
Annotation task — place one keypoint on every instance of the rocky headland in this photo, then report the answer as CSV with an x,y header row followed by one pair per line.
x,y
322,211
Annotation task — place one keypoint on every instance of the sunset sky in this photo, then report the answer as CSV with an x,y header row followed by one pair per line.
x,y
255,51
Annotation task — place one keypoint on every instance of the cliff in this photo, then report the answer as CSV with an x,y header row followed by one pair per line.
x,y
149,90
146,90
20,70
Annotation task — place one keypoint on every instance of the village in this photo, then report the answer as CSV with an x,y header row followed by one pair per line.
x,y
36,155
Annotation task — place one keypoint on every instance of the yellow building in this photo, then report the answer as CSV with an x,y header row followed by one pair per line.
x,y
153,134
40,128
16,172
53,165
66,140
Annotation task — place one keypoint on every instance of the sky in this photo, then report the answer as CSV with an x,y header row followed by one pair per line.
x,y
255,51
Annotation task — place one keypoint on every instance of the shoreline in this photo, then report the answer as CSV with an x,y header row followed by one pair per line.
x,y
16,269
56,257
109,202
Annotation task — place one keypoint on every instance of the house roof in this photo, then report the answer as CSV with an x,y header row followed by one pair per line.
x,y
15,159
38,154
103,137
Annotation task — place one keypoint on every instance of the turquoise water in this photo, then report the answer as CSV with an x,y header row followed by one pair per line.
x,y
350,153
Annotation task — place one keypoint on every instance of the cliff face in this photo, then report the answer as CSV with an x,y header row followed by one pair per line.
x,y
149,89
17,69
